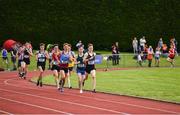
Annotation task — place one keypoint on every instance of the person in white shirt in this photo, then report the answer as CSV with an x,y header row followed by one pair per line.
x,y
160,43
89,59
139,58
157,56
142,43
135,45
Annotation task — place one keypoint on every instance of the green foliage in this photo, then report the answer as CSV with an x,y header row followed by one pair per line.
x,y
99,21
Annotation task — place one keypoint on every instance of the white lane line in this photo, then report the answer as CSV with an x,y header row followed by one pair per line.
x,y
99,99
5,112
46,108
7,72
68,102
127,104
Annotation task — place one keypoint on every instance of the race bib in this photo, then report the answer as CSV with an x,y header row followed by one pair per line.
x,y
26,56
64,62
55,63
41,60
91,62
80,65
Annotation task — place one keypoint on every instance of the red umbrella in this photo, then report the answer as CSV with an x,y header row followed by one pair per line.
x,y
8,44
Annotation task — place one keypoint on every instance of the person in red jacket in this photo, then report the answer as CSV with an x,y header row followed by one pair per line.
x,y
171,56
150,55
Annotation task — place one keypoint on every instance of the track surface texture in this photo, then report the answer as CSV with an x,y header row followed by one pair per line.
x,y
19,96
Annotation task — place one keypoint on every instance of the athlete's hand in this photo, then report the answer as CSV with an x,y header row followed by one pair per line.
x,y
86,60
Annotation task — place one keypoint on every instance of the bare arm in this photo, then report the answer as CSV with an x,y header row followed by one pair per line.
x,y
46,54
30,52
36,55
85,58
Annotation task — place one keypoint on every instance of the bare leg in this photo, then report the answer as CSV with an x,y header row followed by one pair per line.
x,y
93,74
56,76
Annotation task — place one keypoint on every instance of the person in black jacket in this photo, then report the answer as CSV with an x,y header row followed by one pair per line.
x,y
117,53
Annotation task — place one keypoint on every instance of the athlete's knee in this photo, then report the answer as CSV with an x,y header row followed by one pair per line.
x,y
93,73
41,71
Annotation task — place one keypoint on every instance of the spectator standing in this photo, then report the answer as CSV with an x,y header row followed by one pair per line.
x,y
114,52
117,53
164,50
160,43
13,58
175,43
142,43
150,55
145,52
5,56
135,45
157,56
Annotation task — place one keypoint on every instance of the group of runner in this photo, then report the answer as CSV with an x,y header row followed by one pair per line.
x,y
62,64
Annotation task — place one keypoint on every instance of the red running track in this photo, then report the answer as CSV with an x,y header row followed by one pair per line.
x,y
18,96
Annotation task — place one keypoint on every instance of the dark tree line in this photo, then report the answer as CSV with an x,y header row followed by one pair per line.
x,y
101,22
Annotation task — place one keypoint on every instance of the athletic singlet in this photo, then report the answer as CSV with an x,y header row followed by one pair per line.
x,y
91,59
55,58
20,56
80,64
50,55
26,54
13,53
71,63
64,59
41,57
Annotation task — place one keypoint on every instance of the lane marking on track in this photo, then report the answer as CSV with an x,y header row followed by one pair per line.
x,y
45,108
127,104
68,102
5,112
98,99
